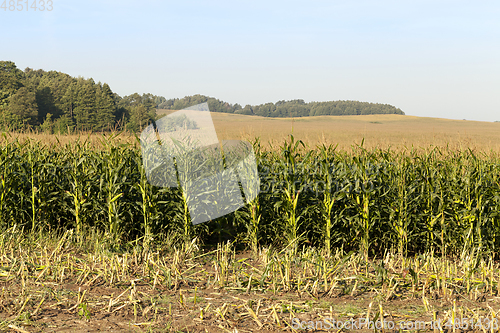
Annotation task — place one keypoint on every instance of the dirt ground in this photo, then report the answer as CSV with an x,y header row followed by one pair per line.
x,y
273,312
195,305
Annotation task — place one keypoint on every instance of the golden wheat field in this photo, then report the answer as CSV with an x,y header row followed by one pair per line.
x,y
378,131
381,131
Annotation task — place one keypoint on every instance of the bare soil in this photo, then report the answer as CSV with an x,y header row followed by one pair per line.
x,y
196,306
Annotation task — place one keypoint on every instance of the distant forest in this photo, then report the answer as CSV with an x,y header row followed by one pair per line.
x,y
56,102
293,108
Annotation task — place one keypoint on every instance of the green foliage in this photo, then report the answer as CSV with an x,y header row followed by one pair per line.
x,y
85,102
138,118
27,98
293,108
366,201
11,121
48,124
105,108
10,78
23,105
10,82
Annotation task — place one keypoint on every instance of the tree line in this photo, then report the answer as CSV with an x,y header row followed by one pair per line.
x,y
293,108
57,102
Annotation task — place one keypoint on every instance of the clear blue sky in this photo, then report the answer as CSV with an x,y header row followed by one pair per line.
x,y
429,58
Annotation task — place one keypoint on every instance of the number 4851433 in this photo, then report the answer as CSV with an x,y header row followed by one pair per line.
x,y
27,5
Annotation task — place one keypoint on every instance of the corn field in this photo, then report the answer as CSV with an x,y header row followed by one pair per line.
x,y
362,200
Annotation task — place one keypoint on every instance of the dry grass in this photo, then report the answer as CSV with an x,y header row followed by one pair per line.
x,y
97,140
378,131
51,283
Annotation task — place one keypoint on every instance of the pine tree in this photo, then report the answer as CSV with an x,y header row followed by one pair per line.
x,y
11,79
23,105
105,106
85,110
45,102
139,118
69,100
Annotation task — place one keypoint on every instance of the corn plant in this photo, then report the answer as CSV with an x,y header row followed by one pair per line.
x,y
330,195
113,183
292,185
444,202
7,185
361,196
81,175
